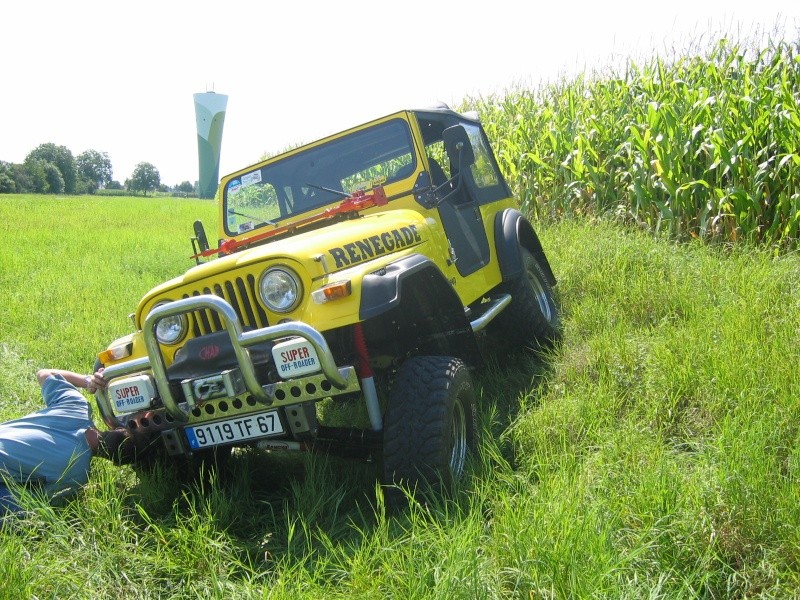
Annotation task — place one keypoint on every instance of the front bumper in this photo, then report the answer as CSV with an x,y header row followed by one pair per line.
x,y
332,379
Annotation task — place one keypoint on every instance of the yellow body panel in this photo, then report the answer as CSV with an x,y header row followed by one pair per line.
x,y
331,251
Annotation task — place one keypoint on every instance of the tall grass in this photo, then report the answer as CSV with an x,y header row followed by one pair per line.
x,y
71,271
67,261
654,454
696,145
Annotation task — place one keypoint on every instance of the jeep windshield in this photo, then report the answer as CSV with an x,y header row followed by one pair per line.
x,y
314,178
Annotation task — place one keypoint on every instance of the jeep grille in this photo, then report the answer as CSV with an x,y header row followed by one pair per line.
x,y
241,295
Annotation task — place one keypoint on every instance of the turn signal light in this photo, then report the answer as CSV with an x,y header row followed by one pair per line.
x,y
115,353
332,291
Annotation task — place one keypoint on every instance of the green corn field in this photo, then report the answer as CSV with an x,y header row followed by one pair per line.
x,y
701,145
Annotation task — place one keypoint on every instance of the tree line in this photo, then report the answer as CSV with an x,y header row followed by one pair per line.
x,y
52,169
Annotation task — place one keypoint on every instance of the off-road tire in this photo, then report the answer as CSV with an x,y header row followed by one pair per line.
x,y
430,427
532,320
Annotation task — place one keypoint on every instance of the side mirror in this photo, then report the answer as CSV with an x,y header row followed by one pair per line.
x,y
199,241
458,146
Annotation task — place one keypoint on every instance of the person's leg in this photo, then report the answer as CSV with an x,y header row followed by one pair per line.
x,y
8,501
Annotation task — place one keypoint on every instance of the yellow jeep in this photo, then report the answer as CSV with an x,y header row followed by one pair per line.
x,y
354,284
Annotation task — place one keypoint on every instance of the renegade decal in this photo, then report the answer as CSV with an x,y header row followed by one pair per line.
x,y
375,246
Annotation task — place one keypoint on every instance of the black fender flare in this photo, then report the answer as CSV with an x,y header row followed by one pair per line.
x,y
382,291
394,291
511,232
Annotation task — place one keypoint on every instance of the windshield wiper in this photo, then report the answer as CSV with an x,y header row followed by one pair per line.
x,y
332,191
260,221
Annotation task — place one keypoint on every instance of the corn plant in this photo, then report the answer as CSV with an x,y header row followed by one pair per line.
x,y
702,146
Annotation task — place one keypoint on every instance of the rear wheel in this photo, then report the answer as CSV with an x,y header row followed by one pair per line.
x,y
430,426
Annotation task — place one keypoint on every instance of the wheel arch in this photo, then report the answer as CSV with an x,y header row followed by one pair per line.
x,y
411,302
512,231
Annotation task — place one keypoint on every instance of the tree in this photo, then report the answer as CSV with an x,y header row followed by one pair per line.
x,y
185,187
36,174
145,177
55,181
95,168
7,183
62,158
22,178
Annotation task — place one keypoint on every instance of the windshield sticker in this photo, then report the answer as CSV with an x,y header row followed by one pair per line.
x,y
246,227
365,186
251,178
234,187
375,245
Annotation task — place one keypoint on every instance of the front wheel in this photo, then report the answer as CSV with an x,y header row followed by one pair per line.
x,y
430,426
532,319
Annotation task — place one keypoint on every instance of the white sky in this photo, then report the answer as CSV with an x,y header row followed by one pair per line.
x,y
118,76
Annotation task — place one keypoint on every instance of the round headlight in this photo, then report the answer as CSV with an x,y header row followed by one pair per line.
x,y
170,330
280,289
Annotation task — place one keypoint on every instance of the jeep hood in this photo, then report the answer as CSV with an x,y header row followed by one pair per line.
x,y
318,251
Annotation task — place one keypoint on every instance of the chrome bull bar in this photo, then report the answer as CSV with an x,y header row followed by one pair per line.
x,y
240,340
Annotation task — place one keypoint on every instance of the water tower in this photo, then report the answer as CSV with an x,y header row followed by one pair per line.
x,y
209,108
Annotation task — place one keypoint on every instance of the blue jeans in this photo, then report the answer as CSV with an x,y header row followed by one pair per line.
x,y
8,501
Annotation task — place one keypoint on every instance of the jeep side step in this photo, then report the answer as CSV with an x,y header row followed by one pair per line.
x,y
488,311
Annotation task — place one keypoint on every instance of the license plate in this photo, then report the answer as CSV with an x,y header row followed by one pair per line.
x,y
131,394
234,430
295,357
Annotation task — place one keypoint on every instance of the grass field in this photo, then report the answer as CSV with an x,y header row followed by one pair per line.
x,y
655,454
